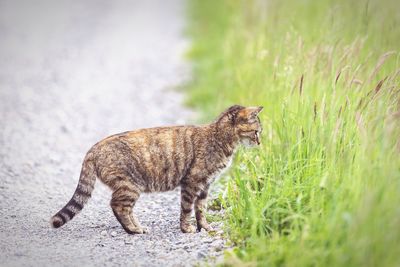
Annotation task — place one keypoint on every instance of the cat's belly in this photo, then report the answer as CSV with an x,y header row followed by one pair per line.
x,y
167,186
162,182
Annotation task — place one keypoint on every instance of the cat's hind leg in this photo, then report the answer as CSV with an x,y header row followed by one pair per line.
x,y
122,202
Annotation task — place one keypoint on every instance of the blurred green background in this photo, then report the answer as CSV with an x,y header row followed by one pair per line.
x,y
324,187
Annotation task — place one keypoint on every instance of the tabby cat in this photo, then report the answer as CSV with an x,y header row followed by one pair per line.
x,y
160,159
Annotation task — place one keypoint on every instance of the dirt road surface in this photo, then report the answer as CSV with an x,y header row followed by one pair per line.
x,y
71,73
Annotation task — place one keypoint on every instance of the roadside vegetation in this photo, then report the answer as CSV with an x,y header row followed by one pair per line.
x,y
324,187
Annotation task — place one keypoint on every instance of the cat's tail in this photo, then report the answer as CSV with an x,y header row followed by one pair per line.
x,y
81,196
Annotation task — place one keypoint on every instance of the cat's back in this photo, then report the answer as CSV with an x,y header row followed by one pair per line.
x,y
147,137
159,138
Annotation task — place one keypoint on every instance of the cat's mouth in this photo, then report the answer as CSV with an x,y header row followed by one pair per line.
x,y
257,137
251,138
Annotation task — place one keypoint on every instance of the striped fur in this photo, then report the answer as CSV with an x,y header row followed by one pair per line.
x,y
81,195
161,159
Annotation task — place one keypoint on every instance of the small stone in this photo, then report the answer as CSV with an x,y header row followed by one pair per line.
x,y
187,248
218,249
103,233
218,244
128,241
208,240
113,233
18,254
64,129
201,255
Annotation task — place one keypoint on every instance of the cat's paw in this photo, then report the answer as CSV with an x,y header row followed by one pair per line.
x,y
205,226
142,230
188,229
137,230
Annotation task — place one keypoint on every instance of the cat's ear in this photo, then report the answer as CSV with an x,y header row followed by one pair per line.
x,y
233,111
255,110
230,114
250,112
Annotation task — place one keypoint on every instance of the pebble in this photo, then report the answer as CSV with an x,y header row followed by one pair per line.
x,y
208,240
18,254
201,255
113,233
218,245
103,233
128,242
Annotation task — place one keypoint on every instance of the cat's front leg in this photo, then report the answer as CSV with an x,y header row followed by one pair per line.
x,y
200,207
188,196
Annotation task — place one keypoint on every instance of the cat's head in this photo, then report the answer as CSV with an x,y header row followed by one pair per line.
x,y
245,123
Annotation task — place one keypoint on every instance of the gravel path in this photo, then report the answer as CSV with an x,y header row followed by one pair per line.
x,y
71,73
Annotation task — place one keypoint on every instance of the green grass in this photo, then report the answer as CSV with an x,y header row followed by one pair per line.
x,y
324,187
